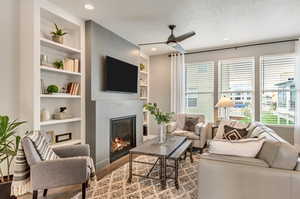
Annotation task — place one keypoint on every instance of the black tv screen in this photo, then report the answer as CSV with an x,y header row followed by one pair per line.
x,y
120,76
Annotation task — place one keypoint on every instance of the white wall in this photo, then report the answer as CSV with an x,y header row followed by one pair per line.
x,y
9,57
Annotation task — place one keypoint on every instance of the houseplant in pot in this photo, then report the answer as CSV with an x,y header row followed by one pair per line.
x,y
58,34
161,118
9,144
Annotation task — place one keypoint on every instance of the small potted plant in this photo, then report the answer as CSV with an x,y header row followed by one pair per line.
x,y
52,89
59,64
58,34
161,118
9,144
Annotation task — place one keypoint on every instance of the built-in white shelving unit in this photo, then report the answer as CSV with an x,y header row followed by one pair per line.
x,y
144,87
38,72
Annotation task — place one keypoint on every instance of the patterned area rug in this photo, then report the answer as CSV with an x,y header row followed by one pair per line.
x,y
115,186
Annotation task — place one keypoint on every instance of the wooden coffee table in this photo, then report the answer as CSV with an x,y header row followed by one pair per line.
x,y
174,148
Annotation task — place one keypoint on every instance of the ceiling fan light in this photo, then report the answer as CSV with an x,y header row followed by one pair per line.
x,y
172,44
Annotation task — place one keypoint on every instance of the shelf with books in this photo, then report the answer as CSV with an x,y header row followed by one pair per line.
x,y
60,47
51,69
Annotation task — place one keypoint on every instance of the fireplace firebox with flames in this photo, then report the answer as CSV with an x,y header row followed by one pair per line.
x,y
122,136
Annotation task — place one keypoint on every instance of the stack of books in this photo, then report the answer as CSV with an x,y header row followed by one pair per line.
x,y
71,65
73,88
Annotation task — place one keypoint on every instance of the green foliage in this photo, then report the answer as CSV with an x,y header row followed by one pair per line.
x,y
9,141
58,31
159,116
59,64
52,89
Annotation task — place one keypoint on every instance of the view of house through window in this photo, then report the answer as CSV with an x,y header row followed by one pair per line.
x,y
278,89
200,88
236,81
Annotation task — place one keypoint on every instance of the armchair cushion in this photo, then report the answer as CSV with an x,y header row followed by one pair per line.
x,y
72,150
190,123
60,172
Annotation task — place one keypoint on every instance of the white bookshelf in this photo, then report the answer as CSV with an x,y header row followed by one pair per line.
x,y
38,18
144,88
69,142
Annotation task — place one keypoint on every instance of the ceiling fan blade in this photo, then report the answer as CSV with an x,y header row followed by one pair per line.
x,y
179,48
184,36
153,43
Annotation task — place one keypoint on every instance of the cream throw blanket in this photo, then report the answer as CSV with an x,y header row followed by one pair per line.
x,y
21,180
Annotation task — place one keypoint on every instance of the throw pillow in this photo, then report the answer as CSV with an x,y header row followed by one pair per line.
x,y
249,147
232,123
190,123
231,133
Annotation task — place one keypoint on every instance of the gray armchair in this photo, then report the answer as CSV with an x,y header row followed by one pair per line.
x,y
69,170
199,136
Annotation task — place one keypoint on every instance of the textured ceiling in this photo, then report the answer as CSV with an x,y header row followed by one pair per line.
x,y
241,21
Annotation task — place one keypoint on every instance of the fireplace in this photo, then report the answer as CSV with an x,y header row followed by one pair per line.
x,y
122,136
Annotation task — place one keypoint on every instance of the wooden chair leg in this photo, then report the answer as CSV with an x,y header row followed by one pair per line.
x,y
45,192
83,190
35,195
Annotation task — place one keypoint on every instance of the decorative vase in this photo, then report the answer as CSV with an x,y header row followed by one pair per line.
x,y
162,133
58,39
45,115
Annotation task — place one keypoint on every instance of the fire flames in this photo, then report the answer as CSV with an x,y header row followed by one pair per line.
x,y
119,144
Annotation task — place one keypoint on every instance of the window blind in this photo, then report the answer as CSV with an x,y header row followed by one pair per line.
x,y
200,88
278,89
236,75
200,77
276,70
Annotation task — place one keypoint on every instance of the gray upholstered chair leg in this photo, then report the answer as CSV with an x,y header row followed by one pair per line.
x,y
45,192
83,190
35,195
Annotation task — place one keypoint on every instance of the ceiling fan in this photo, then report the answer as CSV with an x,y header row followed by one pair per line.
x,y
174,41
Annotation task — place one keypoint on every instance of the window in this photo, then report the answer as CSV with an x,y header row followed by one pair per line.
x,y
278,89
192,102
236,81
199,88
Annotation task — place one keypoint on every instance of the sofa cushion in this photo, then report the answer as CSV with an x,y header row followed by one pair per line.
x,y
280,155
232,123
235,159
245,147
188,134
231,133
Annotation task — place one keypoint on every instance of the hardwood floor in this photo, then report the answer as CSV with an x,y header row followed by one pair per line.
x,y
70,191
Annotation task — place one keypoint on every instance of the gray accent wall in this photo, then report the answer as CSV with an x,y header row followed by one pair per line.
x,y
160,75
101,106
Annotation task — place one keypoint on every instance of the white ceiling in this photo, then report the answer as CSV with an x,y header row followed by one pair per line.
x,y
242,21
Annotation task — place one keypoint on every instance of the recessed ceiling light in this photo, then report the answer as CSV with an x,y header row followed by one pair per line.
x,y
153,49
226,39
89,6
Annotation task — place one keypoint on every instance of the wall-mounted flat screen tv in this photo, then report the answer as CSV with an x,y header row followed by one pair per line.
x,y
120,76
